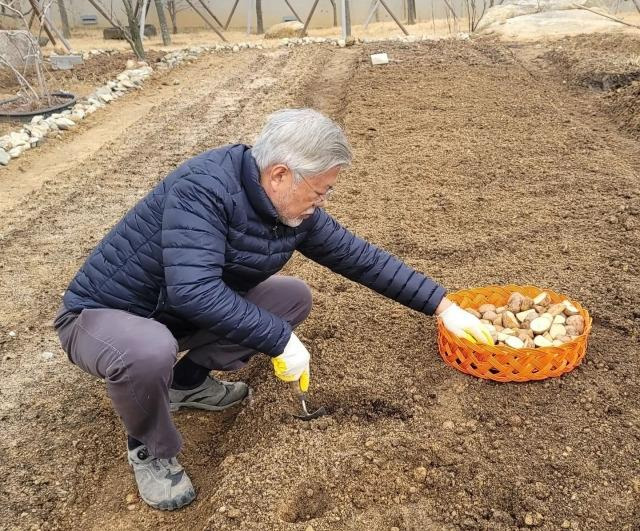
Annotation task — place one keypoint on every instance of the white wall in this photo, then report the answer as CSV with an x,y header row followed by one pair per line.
x,y
275,10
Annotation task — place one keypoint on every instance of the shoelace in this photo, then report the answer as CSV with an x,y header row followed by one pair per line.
x,y
171,464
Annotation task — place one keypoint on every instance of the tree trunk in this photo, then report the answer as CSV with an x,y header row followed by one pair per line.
x,y
134,30
173,15
347,18
143,17
411,11
162,20
64,19
259,23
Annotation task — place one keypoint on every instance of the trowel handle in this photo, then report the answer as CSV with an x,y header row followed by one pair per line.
x,y
302,385
295,387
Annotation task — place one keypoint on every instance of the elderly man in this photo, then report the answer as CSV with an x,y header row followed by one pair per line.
x,y
192,267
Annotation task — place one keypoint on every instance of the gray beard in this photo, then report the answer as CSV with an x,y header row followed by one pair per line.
x,y
290,222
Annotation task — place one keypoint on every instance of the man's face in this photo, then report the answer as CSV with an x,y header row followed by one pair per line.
x,y
295,202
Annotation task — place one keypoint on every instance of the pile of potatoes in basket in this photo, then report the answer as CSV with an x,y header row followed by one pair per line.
x,y
530,323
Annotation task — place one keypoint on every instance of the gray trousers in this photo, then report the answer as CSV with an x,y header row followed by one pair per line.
x,y
136,355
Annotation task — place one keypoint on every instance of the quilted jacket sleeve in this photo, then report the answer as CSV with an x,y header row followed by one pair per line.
x,y
194,230
333,246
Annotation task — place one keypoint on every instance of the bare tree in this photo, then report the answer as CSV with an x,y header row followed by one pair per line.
x,y
132,34
451,15
26,55
475,11
162,20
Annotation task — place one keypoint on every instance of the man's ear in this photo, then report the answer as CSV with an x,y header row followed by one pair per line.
x,y
277,176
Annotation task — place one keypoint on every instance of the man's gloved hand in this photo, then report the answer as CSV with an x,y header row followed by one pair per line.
x,y
465,325
293,364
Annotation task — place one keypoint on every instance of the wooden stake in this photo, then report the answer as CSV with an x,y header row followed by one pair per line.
x,y
36,10
51,25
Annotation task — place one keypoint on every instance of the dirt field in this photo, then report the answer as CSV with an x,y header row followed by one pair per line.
x,y
477,165
609,64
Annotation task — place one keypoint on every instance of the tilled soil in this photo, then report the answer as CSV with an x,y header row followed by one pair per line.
x,y
474,167
609,64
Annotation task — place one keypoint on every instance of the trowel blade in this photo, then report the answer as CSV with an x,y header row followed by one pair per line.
x,y
321,411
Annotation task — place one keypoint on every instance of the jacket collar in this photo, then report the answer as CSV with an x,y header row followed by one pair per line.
x,y
258,198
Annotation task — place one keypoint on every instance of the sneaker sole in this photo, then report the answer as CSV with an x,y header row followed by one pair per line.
x,y
176,503
175,406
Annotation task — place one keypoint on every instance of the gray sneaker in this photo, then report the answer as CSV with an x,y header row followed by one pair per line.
x,y
162,483
214,395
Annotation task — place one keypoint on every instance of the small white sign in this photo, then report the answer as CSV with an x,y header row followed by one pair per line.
x,y
379,59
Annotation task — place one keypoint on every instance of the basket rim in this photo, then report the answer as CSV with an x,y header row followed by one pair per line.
x,y
506,350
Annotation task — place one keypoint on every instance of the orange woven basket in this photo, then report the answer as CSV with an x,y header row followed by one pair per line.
x,y
502,363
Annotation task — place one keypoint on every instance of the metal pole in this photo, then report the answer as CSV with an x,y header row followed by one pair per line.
x,y
306,24
233,10
206,21
374,7
293,10
249,9
384,4
206,8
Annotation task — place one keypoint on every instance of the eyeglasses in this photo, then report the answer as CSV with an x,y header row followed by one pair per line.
x,y
326,196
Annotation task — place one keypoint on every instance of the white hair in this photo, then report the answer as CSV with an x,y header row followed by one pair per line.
x,y
304,140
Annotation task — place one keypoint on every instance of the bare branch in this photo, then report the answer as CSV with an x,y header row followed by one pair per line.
x,y
22,81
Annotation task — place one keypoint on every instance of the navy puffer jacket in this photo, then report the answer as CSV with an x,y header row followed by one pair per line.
x,y
187,252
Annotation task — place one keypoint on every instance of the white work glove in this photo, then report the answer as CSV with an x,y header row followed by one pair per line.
x,y
463,324
293,364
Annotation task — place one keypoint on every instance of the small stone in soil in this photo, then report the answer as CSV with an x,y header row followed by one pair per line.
x,y
233,513
532,520
420,473
515,420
